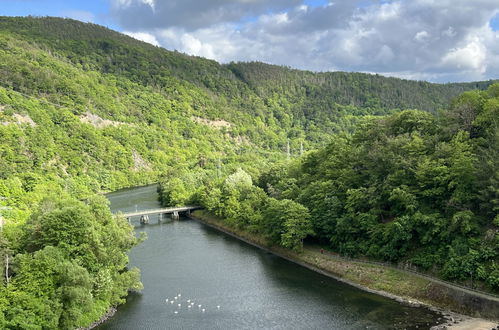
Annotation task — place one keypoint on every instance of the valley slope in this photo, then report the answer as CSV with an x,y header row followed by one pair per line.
x,y
84,109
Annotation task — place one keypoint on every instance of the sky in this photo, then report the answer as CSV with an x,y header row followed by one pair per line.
x,y
433,40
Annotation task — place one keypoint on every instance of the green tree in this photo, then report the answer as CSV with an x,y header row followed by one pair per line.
x,y
286,223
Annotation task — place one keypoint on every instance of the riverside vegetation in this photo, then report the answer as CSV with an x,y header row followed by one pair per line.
x,y
408,188
84,110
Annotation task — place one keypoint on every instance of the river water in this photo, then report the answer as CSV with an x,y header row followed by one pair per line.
x,y
254,289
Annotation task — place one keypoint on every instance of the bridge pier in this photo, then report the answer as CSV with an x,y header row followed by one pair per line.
x,y
144,219
175,215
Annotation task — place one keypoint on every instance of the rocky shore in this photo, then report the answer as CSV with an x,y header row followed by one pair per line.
x,y
110,313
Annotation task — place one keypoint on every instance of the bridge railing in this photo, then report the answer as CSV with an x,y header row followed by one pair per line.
x,y
159,211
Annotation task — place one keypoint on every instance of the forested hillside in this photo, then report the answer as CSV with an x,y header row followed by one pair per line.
x,y
85,110
370,92
409,188
293,104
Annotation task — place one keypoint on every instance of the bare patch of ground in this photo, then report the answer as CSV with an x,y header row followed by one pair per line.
x,y
216,124
19,119
98,122
24,120
139,163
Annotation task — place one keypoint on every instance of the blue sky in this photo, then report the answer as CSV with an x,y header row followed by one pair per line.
x,y
494,23
52,7
446,40
97,11
316,3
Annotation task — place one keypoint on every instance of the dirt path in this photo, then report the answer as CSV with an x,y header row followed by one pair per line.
x,y
318,249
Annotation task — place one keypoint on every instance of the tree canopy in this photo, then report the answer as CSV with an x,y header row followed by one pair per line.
x,y
86,110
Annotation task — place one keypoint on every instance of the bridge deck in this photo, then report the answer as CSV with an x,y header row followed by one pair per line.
x,y
165,210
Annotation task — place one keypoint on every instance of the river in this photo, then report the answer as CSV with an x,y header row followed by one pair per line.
x,y
253,289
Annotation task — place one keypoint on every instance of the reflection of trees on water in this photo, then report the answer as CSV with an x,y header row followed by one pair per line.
x,y
358,308
280,293
132,301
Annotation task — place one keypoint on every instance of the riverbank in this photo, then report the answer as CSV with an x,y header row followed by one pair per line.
x,y
404,287
109,314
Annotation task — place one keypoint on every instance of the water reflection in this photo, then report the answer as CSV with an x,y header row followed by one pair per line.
x,y
255,289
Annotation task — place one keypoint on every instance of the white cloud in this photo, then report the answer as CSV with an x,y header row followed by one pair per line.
x,y
422,36
388,11
385,55
445,40
471,56
190,14
151,3
143,36
450,32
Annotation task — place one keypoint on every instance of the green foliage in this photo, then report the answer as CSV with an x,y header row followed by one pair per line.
x,y
409,188
243,205
404,188
287,223
84,109
88,68
73,259
239,180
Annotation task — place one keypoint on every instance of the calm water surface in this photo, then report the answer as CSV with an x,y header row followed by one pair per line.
x,y
254,289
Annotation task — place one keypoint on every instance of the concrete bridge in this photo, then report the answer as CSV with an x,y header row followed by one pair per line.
x,y
175,211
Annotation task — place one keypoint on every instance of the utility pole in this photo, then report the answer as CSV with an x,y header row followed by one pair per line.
x,y
219,166
6,248
7,267
2,208
288,151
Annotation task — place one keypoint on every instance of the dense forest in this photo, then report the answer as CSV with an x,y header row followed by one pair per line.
x,y
265,103
86,110
409,188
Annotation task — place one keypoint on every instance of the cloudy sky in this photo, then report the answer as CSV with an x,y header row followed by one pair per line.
x,y
435,40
